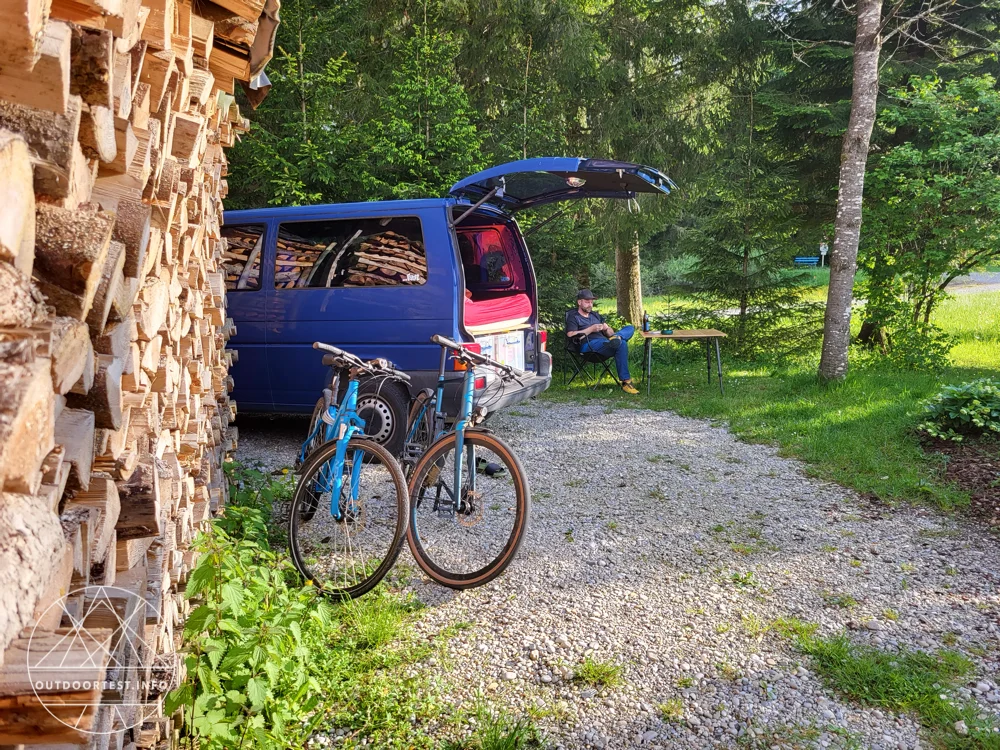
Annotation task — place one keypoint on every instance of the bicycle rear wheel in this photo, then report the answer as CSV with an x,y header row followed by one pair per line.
x,y
348,554
466,536
419,430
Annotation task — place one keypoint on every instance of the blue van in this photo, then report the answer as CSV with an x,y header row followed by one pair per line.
x,y
380,278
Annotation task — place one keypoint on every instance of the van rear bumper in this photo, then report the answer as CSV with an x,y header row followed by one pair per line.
x,y
498,395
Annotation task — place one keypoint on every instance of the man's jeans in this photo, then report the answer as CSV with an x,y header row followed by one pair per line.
x,y
616,346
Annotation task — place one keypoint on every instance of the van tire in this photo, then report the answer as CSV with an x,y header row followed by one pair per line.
x,y
384,405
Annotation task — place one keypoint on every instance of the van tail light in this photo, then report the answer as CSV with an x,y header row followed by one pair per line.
x,y
480,382
474,347
543,340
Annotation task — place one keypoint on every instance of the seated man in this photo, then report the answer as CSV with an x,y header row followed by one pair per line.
x,y
594,335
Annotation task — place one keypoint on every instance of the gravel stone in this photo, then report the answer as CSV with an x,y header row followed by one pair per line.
x,y
667,547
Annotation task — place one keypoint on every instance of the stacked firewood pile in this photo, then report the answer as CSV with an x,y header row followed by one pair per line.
x,y
388,258
241,262
381,259
114,413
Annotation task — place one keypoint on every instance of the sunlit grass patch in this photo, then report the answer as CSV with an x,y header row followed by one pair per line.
x,y
915,682
598,673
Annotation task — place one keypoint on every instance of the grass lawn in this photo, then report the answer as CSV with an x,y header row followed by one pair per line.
x,y
858,433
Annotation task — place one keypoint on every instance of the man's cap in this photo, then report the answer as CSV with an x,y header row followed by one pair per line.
x,y
585,294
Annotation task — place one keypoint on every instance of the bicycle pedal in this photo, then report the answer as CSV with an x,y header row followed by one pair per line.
x,y
412,452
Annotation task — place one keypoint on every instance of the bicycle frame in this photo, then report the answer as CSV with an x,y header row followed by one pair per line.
x,y
461,424
340,423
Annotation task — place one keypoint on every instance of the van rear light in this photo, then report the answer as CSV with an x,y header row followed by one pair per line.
x,y
473,347
480,382
543,340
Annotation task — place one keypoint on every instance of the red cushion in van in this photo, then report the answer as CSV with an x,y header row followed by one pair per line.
x,y
513,309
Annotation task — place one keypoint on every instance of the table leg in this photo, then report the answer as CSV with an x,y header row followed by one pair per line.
x,y
718,359
647,346
708,359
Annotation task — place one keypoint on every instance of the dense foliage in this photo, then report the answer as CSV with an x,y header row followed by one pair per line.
x,y
744,105
964,410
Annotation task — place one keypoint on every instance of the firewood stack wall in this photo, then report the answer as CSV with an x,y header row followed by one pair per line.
x,y
114,408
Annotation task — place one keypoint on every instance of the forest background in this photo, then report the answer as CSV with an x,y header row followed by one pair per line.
x,y
743,104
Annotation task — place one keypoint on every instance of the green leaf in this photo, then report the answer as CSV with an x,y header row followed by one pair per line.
x,y
257,692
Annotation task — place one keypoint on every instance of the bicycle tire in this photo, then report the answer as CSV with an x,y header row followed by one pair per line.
x,y
304,506
430,562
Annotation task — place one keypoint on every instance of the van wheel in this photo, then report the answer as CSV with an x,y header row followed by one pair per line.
x,y
384,407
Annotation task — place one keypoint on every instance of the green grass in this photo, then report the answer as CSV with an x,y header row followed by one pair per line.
x,y
598,673
915,682
500,733
672,710
859,433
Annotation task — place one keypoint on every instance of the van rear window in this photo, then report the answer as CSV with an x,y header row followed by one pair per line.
x,y
350,253
241,261
490,261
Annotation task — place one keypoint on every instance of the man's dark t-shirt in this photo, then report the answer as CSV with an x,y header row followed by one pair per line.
x,y
575,321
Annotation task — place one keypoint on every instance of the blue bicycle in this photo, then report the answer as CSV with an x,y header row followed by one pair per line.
x,y
469,496
349,513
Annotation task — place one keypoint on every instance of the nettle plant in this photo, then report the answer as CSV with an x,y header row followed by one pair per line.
x,y
960,410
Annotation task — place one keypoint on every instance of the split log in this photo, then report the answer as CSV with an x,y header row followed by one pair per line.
x,y
157,68
20,302
102,495
46,84
23,22
97,134
140,505
248,9
132,229
116,338
31,548
52,140
151,311
49,610
71,248
26,423
17,203
75,432
70,353
105,396
92,66
57,716
111,276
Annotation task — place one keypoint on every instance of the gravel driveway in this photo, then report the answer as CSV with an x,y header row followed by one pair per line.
x,y
666,546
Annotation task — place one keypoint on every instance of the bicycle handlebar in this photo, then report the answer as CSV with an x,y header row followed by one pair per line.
x,y
476,357
373,367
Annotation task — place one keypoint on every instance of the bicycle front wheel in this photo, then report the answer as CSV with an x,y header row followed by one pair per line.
x,y
465,536
346,545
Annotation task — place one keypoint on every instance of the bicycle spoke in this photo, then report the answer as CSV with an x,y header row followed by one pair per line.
x,y
343,553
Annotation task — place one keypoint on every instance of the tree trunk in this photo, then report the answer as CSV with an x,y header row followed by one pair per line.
x,y
628,281
853,159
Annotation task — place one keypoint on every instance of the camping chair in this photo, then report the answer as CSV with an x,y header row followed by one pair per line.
x,y
589,366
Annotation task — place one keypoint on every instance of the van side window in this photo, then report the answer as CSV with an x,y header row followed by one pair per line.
x,y
350,253
241,261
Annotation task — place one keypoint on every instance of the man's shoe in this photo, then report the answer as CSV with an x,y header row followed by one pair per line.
x,y
629,388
